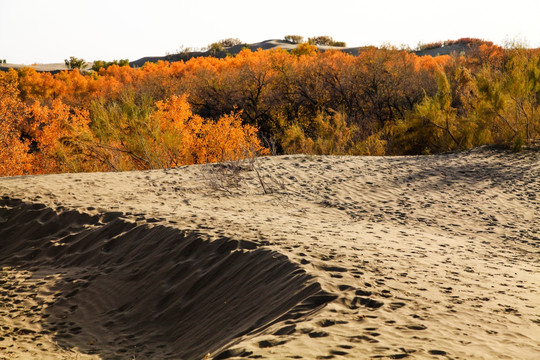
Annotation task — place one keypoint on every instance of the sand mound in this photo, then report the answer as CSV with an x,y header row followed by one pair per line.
x,y
158,290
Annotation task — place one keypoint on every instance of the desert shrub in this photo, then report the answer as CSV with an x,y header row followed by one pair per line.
x,y
304,49
75,63
471,42
326,134
295,39
138,133
215,49
373,145
435,125
229,42
101,64
320,40
509,100
325,41
183,52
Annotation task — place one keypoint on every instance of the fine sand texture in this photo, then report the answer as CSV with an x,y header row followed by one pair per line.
x,y
290,257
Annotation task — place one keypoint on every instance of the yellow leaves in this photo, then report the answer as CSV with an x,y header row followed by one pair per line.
x,y
38,139
173,113
329,134
305,49
59,133
228,139
14,157
371,103
184,138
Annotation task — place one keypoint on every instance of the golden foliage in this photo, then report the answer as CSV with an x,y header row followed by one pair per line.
x,y
383,101
14,150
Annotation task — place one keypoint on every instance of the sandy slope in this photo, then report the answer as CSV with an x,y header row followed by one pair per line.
x,y
350,257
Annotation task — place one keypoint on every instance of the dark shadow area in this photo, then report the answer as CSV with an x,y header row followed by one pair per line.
x,y
132,289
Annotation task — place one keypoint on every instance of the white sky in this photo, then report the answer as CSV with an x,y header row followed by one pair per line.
x,y
45,31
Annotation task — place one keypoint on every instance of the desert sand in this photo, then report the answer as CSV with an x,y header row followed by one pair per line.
x,y
52,67
424,257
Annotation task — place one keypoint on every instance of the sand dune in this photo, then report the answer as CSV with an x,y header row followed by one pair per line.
x,y
264,45
189,296
348,257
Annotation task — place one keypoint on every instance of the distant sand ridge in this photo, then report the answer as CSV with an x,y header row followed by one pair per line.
x,y
350,257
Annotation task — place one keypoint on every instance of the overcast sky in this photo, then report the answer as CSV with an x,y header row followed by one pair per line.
x,y
45,31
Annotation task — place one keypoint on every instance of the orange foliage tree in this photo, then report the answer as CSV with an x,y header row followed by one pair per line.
x,y
384,100
14,150
166,134
61,136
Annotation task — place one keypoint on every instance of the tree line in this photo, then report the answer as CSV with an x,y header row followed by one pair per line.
x,y
383,101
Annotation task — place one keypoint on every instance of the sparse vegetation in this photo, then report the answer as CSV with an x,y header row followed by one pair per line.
x,y
215,49
100,64
295,39
232,177
183,52
219,48
462,41
75,63
325,41
230,42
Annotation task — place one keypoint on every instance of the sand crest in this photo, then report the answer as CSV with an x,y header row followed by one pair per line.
x,y
349,257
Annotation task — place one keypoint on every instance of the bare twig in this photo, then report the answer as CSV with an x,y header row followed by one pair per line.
x,y
229,175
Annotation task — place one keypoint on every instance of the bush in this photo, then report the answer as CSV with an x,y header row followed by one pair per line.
x,y
136,132
75,63
295,39
304,49
183,52
325,41
99,64
226,43
326,134
215,48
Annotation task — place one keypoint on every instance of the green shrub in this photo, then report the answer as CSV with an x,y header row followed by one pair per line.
x,y
215,48
75,63
98,64
325,41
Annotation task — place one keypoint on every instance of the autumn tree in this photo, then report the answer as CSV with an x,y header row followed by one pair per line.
x,y
327,134
75,63
101,64
230,42
62,138
14,148
510,99
304,49
384,100
325,41
136,133
295,39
